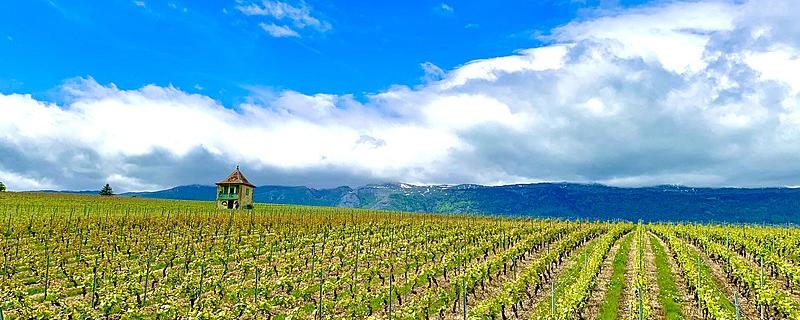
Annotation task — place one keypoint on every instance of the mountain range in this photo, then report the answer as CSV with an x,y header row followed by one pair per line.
x,y
562,200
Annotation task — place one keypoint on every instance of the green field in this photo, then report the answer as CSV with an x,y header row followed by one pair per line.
x,y
67,256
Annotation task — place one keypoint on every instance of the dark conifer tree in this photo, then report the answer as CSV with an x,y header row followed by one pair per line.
x,y
107,191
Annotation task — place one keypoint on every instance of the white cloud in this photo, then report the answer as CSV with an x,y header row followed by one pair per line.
x,y
537,59
779,64
140,4
279,31
463,112
444,8
129,183
604,102
280,15
15,181
672,34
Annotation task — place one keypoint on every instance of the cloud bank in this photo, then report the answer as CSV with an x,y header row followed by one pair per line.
x,y
697,93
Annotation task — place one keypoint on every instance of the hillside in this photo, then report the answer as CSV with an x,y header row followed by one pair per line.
x,y
566,200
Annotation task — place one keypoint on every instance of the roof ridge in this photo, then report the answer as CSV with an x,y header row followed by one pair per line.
x,y
236,177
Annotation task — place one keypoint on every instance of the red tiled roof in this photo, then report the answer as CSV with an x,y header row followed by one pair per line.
x,y
236,177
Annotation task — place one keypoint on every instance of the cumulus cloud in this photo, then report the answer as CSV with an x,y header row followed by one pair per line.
x,y
697,93
282,14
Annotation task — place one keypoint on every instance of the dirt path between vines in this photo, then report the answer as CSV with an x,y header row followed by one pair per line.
x,y
598,295
629,289
688,303
749,311
652,281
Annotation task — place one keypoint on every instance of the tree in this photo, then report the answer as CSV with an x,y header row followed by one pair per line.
x,y
2,187
107,191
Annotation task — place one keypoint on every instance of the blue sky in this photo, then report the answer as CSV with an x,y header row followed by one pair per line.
x,y
147,95
214,48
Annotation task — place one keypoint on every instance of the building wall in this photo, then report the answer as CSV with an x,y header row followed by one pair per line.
x,y
221,189
245,195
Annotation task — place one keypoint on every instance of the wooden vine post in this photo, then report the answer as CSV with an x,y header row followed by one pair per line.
x,y
553,300
391,289
697,288
94,282
255,290
200,289
736,304
321,283
641,307
464,293
146,280
761,285
46,271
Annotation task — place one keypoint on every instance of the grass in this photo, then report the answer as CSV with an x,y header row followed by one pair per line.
x,y
610,307
668,290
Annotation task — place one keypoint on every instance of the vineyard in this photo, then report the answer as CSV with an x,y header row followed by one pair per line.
x,y
77,257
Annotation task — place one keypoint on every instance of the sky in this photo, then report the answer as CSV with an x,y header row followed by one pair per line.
x,y
146,95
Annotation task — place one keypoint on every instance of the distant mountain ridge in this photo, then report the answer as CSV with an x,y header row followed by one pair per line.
x,y
564,200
